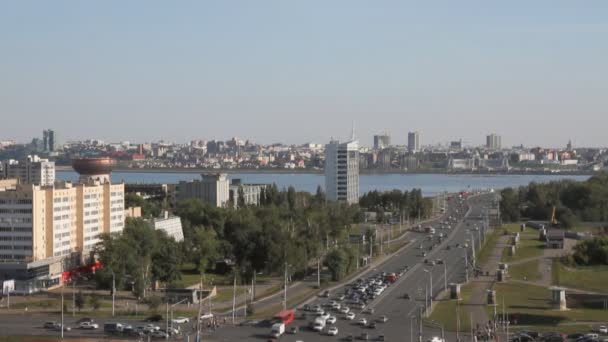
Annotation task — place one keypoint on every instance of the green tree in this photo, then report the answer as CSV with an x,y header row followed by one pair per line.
x,y
153,302
337,263
94,302
79,300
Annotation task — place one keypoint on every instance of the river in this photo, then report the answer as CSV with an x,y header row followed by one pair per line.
x,y
430,184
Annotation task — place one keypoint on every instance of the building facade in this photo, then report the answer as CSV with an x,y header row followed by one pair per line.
x,y
342,171
30,170
382,141
172,225
251,192
413,142
49,140
493,142
212,188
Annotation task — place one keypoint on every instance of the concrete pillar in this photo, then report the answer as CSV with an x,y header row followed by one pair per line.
x,y
454,291
491,297
558,298
504,267
522,228
511,250
500,275
542,234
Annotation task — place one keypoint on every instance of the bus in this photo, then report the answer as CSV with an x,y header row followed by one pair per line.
x,y
285,317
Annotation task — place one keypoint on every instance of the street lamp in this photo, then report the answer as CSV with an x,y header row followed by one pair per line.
x,y
113,291
431,288
172,306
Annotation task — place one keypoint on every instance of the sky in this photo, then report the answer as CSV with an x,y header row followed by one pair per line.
x,y
303,71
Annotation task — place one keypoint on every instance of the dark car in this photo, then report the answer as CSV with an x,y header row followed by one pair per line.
x,y
364,336
154,318
372,325
406,296
381,338
575,336
49,325
350,337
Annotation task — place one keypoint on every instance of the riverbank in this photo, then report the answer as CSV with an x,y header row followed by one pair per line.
x,y
64,168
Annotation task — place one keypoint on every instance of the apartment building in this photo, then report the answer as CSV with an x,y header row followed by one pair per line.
x,y
32,170
342,171
213,188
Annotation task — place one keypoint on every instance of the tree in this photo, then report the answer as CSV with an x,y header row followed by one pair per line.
x,y
153,302
337,263
94,302
241,198
79,300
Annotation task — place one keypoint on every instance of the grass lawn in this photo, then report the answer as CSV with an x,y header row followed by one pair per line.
x,y
488,247
529,247
531,305
225,293
445,310
528,270
592,278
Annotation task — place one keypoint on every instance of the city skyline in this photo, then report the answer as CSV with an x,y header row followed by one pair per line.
x,y
267,74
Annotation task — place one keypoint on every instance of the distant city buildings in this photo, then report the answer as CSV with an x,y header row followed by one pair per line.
x,y
382,141
212,188
49,141
493,142
413,142
30,170
342,171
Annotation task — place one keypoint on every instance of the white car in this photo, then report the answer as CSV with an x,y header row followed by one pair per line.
x,y
324,316
181,320
333,331
362,321
344,309
331,320
602,329
88,325
350,316
151,327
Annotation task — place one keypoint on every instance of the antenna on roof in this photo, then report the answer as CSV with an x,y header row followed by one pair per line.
x,y
352,138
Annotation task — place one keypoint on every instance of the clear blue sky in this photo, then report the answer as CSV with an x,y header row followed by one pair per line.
x,y
298,71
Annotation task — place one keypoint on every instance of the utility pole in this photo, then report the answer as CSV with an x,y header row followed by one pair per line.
x,y
73,298
445,276
167,321
200,311
319,272
426,301
285,289
113,292
420,326
457,319
473,335
466,266
62,312
234,298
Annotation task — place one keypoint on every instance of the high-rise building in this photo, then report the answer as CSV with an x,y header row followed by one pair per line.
x,y
382,141
213,188
30,170
342,171
493,142
48,230
172,225
49,140
413,142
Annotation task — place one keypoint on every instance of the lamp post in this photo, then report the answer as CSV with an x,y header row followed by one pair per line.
x,y
431,288
172,306
113,291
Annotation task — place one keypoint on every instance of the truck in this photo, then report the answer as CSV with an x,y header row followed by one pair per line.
x,y
429,230
391,277
278,329
319,323
113,328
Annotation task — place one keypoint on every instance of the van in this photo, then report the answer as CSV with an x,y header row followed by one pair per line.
x,y
113,328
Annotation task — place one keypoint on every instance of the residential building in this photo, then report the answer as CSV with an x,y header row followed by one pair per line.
x,y
382,141
342,171
413,142
251,192
48,230
213,188
49,140
30,170
493,142
172,225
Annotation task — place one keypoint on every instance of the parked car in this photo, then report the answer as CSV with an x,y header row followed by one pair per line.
x,y
333,331
181,320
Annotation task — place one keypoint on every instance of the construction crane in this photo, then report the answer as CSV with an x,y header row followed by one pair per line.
x,y
553,218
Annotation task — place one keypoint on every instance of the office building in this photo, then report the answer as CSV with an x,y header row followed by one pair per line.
x,y
212,188
382,141
48,230
172,225
30,170
342,171
493,142
49,140
413,142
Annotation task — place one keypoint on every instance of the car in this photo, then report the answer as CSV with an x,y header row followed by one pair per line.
x,y
439,261
324,316
306,307
340,297
159,334
368,311
325,294
180,320
344,309
49,325
85,319
333,331
372,325
364,336
350,337
151,327
350,316
406,296
383,319
293,330
58,327
362,321
331,320
88,325
602,329
381,338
